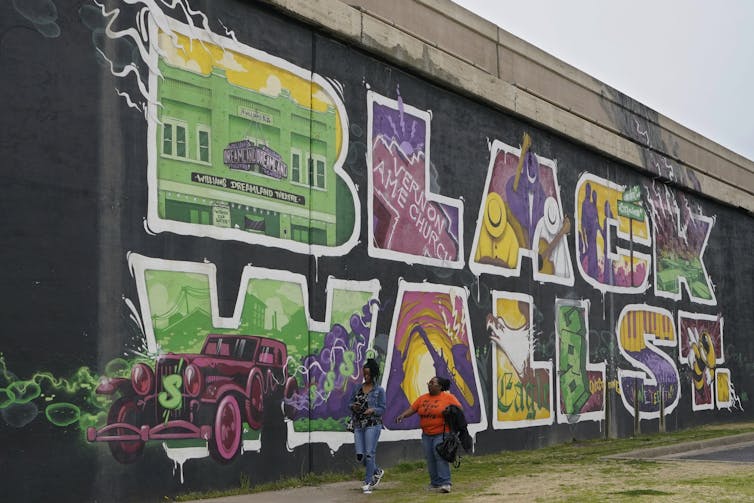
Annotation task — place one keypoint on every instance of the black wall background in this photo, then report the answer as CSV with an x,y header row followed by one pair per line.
x,y
73,196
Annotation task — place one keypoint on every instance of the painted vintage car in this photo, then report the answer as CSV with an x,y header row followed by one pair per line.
x,y
194,396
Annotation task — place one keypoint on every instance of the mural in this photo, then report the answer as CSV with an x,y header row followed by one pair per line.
x,y
680,232
64,402
608,215
430,335
263,140
580,383
243,145
406,221
522,216
213,376
701,349
642,331
521,387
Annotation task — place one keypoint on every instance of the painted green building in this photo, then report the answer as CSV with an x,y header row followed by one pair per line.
x,y
231,157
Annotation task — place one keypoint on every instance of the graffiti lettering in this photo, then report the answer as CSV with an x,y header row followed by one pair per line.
x,y
522,215
605,264
522,389
641,331
171,397
407,221
680,238
579,382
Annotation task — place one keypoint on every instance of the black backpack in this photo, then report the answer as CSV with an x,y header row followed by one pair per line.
x,y
449,448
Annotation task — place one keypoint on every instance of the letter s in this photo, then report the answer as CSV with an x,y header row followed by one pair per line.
x,y
641,329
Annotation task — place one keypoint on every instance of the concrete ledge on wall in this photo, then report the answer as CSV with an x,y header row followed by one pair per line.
x,y
441,41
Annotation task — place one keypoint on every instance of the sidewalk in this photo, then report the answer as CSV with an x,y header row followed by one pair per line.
x,y
339,492
677,451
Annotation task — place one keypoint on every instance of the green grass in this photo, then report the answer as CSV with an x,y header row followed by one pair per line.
x,y
478,474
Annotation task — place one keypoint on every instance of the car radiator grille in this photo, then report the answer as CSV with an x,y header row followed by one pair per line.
x,y
164,414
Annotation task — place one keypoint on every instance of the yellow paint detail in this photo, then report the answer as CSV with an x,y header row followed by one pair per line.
x,y
512,394
635,324
510,310
418,366
640,228
497,244
723,387
244,71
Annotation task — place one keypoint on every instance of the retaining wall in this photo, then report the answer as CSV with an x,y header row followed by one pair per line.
x,y
215,213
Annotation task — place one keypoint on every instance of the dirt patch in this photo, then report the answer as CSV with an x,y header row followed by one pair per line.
x,y
614,480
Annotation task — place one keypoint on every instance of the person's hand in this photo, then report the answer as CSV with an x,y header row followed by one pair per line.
x,y
399,418
369,412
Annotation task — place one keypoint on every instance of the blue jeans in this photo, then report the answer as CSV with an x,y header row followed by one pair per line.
x,y
439,469
365,444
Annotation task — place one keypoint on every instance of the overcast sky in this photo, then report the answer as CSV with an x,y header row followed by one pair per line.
x,y
690,60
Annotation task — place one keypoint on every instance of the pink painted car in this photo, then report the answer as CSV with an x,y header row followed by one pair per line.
x,y
204,396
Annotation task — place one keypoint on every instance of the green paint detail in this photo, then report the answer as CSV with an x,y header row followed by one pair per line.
x,y
630,210
329,424
24,391
7,398
574,380
671,267
301,206
632,194
329,382
118,367
82,406
182,303
347,367
171,398
62,414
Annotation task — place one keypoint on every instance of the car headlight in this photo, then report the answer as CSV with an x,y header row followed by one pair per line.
x,y
192,380
142,379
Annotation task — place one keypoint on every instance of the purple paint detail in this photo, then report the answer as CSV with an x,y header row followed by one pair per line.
x,y
596,401
340,350
405,220
394,125
590,226
596,262
527,200
680,236
421,313
648,394
707,338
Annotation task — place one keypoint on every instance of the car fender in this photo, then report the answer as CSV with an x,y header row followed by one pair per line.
x,y
111,385
252,375
215,393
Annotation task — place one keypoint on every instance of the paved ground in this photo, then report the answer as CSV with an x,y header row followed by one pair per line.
x,y
732,449
737,453
340,492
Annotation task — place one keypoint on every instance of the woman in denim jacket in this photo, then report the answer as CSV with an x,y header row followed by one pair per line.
x,y
367,406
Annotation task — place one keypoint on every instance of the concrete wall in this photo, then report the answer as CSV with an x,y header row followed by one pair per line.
x,y
214,216
443,42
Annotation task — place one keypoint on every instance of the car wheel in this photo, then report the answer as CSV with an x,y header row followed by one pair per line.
x,y
255,402
125,410
226,431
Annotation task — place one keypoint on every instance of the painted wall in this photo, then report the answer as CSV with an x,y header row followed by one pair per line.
x,y
214,215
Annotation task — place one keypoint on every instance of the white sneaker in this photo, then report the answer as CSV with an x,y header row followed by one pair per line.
x,y
377,477
366,488
445,488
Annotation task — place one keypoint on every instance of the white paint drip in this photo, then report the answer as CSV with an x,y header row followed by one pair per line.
x,y
182,454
